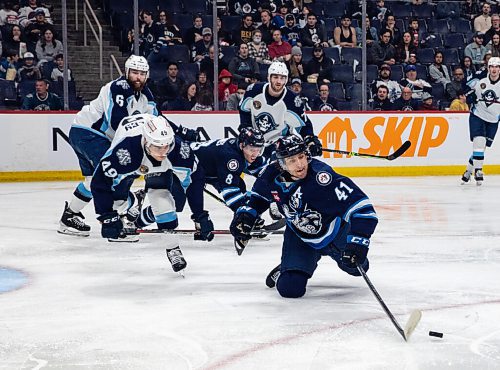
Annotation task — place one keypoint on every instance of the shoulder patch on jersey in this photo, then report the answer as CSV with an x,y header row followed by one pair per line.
x,y
143,169
323,178
483,85
123,84
298,101
184,150
233,165
123,156
257,104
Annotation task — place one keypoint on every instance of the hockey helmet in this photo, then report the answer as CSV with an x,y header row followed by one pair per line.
x,y
277,68
138,63
157,132
252,137
494,61
288,146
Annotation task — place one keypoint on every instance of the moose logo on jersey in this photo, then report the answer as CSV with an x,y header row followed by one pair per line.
x,y
306,220
489,97
265,122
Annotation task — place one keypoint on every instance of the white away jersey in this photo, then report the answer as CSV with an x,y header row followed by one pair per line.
x,y
487,104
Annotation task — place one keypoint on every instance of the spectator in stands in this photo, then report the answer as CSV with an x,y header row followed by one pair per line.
x,y
383,52
405,102
194,33
459,103
494,30
405,48
279,18
414,28
427,102
42,99
384,78
8,70
291,31
57,73
202,82
207,63
469,10
313,34
204,102
476,50
318,67
170,87
296,87
234,100
149,33
377,11
438,71
184,102
35,30
257,48
468,68
381,99
345,35
354,9
201,48
482,23
242,67
48,47
29,71
244,34
15,41
226,87
279,50
323,102
170,33
296,66
494,45
413,59
390,24
223,35
8,16
243,7
417,86
27,13
371,34
456,84
266,27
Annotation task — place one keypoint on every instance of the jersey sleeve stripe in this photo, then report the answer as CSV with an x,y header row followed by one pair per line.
x,y
257,195
365,202
244,103
234,199
230,190
166,217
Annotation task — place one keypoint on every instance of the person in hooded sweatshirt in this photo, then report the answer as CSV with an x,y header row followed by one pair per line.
x,y
226,87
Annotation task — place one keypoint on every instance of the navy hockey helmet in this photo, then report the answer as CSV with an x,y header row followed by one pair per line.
x,y
252,137
288,146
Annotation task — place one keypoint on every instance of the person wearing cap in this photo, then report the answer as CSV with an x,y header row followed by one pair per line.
x,y
384,78
279,50
225,87
319,68
383,52
201,48
35,30
381,100
257,48
476,50
313,33
323,102
27,13
417,86
345,35
482,22
291,31
29,71
427,102
296,87
295,64
483,120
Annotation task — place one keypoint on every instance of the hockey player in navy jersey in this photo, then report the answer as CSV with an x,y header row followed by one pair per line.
x,y
142,146
326,213
483,119
276,111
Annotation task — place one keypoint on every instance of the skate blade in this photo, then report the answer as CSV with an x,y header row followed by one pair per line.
x,y
71,232
124,240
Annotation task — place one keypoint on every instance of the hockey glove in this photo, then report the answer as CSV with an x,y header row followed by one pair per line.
x,y
204,226
314,145
188,134
355,250
112,225
244,221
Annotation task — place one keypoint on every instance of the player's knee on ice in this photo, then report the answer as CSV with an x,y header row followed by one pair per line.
x,y
292,284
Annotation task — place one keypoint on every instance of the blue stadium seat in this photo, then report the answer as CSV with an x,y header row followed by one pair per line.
x,y
310,90
337,90
196,6
157,71
228,52
175,53
349,106
343,73
422,72
438,26
26,87
460,25
371,73
7,90
183,21
454,40
263,71
397,73
307,52
438,91
231,22
334,10
451,56
351,54
333,53
188,71
424,11
355,92
425,56
171,6
433,41
330,24
400,10
208,21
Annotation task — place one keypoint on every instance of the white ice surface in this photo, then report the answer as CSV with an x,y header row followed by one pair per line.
x,y
90,304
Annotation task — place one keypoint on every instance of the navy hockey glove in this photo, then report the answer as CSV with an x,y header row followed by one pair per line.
x,y
314,145
355,250
112,225
244,221
204,226
188,134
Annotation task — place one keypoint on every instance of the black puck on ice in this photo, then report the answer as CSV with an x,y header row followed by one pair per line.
x,y
435,334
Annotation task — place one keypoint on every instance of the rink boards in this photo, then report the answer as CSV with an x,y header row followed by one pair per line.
x,y
34,146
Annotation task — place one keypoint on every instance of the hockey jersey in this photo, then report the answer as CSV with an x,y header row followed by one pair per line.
x,y
274,117
317,206
116,101
487,100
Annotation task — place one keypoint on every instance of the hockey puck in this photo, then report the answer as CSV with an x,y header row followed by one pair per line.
x,y
435,334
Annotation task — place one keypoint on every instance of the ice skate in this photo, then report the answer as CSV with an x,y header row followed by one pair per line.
x,y
176,259
273,276
479,176
72,223
466,177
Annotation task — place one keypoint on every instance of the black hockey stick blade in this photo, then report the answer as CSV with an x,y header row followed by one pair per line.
x,y
240,245
400,151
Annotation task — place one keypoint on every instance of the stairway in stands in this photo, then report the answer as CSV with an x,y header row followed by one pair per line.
x,y
84,60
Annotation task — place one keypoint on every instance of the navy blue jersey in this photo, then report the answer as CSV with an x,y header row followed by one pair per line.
x,y
223,163
317,206
274,116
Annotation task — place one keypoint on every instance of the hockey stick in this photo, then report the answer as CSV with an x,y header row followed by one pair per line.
x,y
412,321
398,153
213,195
257,233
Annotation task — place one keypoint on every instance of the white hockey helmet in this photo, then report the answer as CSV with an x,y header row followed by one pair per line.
x,y
277,68
157,131
138,63
494,61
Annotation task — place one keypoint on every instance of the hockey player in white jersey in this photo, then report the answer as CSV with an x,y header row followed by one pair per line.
x,y
483,120
142,146
94,128
276,111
